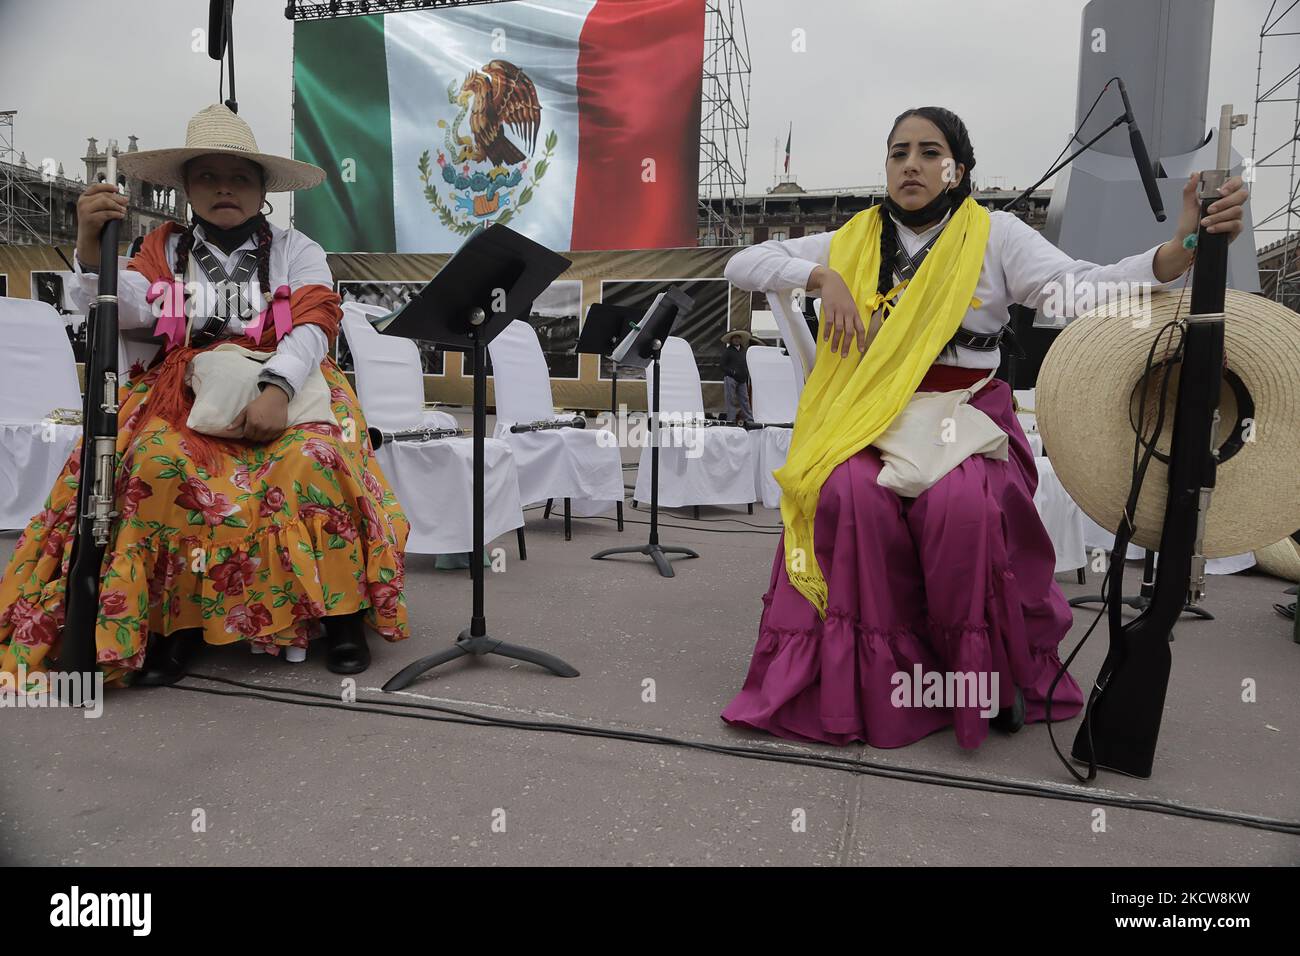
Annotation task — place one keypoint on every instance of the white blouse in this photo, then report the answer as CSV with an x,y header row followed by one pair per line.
x,y
296,261
1020,267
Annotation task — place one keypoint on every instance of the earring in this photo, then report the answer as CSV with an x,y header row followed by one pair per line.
x,y
269,208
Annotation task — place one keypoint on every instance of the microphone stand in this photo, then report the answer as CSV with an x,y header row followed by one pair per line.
x,y
1066,162
1139,155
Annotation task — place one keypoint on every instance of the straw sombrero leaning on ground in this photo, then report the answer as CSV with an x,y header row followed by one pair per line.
x,y
255,531
874,593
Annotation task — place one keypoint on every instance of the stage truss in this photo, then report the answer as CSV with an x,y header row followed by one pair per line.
x,y
21,210
724,124
724,102
1284,285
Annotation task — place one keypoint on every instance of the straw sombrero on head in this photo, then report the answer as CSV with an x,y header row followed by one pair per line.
x,y
1087,403
216,129
746,338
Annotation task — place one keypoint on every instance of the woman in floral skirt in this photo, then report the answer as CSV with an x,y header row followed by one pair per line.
x,y
252,534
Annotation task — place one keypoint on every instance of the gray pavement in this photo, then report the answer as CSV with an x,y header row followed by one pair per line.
x,y
277,783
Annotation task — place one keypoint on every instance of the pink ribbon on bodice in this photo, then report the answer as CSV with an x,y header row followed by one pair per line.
x,y
171,321
280,314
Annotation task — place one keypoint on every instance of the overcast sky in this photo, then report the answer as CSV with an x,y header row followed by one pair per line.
x,y
79,68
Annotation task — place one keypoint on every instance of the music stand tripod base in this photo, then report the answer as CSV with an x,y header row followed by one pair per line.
x,y
1142,599
657,553
467,645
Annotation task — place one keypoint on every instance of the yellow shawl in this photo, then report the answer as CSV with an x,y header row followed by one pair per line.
x,y
847,402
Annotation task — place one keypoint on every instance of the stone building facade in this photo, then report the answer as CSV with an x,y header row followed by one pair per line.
x,y
43,201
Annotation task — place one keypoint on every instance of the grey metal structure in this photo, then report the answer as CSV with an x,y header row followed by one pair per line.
x,y
22,213
1282,282
1161,49
724,124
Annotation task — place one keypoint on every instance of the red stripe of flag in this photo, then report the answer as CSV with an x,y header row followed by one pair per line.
x,y
639,83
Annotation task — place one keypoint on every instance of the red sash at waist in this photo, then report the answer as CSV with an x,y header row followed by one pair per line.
x,y
947,378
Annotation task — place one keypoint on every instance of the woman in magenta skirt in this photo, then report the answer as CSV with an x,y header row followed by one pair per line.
x,y
958,580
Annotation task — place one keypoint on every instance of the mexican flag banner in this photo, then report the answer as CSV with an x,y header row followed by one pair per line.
x,y
575,122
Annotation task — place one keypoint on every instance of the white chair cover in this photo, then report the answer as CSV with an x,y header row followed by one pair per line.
x,y
776,399
1028,416
557,463
796,335
433,481
1095,536
720,467
1061,517
39,375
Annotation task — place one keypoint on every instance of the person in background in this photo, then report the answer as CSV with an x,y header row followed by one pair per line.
x,y
735,376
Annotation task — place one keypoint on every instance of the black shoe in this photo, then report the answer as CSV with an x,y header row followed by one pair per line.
x,y
1011,719
166,660
345,644
1286,610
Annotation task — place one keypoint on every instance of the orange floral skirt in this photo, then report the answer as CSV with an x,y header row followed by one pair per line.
x,y
291,531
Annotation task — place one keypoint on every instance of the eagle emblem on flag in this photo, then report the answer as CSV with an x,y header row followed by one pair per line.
x,y
479,175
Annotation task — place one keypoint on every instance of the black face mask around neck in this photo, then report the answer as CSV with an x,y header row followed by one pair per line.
x,y
930,212
228,240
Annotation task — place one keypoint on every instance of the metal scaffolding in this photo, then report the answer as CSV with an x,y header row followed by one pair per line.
x,y
1283,283
724,124
21,211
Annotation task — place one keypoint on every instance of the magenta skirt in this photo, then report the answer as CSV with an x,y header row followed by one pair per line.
x,y
958,581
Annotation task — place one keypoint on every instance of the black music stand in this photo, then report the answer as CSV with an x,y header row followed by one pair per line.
x,y
604,328
492,280
638,349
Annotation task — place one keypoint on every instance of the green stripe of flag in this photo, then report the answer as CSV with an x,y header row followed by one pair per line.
x,y
341,112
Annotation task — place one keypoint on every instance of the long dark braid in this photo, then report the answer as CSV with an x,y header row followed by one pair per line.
x,y
264,264
888,252
183,250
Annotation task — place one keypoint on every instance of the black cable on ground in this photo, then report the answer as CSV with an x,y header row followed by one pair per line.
x,y
397,708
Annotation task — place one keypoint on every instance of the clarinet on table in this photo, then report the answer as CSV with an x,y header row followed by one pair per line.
x,y
97,478
548,424
719,423
379,438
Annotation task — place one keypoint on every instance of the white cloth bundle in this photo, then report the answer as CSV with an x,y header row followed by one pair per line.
x,y
224,380
933,434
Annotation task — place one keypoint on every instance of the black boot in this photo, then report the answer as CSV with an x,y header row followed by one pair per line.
x,y
345,644
167,657
1010,719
